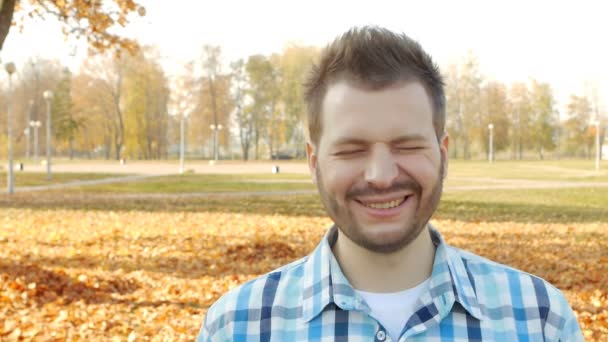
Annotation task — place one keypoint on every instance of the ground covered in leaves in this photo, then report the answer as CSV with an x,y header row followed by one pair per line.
x,y
69,273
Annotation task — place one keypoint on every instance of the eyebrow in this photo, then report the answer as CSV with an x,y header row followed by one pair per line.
x,y
397,140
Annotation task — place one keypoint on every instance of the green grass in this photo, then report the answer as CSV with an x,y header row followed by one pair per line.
x,y
540,206
191,183
34,179
525,205
565,170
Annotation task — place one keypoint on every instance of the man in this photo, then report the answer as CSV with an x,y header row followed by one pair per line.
x,y
377,151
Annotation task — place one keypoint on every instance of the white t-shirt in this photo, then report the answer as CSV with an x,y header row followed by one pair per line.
x,y
393,310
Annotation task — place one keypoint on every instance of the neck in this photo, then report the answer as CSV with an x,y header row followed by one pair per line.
x,y
377,272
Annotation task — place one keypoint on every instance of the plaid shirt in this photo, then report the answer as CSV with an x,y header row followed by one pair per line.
x,y
469,299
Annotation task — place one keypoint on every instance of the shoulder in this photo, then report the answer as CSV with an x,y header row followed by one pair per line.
x,y
528,297
486,271
248,302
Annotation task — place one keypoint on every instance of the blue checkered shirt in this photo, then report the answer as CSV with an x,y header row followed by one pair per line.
x,y
469,299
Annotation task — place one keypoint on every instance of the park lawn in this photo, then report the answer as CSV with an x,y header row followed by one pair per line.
x,y
527,205
557,170
35,178
461,173
587,204
193,183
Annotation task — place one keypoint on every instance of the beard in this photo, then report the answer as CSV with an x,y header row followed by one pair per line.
x,y
344,218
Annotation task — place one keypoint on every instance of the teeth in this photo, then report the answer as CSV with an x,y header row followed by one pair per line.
x,y
385,205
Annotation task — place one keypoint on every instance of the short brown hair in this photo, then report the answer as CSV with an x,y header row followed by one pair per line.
x,y
375,58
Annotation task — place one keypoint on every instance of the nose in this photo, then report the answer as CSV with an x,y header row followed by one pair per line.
x,y
381,169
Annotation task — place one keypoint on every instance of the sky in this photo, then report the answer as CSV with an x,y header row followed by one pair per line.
x,y
560,42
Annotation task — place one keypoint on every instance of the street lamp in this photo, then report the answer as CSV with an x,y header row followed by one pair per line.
x,y
491,144
28,130
26,133
48,95
10,69
183,115
181,143
35,125
215,129
596,122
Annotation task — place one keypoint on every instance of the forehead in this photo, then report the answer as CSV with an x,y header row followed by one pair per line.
x,y
349,110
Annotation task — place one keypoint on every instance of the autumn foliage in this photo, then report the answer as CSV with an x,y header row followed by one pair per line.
x,y
92,274
92,20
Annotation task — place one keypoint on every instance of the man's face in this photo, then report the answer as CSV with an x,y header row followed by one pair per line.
x,y
378,166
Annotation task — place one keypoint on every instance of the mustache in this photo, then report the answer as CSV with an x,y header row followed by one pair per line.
x,y
370,190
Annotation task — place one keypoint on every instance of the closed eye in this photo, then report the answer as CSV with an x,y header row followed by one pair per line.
x,y
348,152
410,148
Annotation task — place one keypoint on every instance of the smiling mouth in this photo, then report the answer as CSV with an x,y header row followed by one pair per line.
x,y
384,205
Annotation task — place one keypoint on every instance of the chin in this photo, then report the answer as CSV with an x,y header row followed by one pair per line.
x,y
385,238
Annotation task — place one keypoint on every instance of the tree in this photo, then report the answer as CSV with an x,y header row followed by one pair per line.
x,y
579,134
293,67
264,92
470,87
592,91
212,98
543,121
520,108
90,103
243,118
463,87
93,20
105,76
495,104
65,123
28,104
453,109
145,106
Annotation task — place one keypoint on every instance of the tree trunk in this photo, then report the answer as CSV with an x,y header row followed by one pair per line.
x,y
6,18
71,144
117,148
256,141
245,148
119,135
270,148
519,148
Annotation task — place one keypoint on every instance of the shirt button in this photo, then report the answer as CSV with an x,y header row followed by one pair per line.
x,y
381,335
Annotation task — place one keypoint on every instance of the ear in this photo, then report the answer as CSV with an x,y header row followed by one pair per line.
x,y
443,149
311,156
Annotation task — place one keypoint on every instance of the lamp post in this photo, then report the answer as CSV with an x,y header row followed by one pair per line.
x,y
48,95
215,129
35,125
184,110
596,122
182,137
10,69
28,130
491,143
181,143
26,133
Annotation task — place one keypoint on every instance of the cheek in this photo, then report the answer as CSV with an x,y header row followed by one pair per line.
x,y
338,177
424,169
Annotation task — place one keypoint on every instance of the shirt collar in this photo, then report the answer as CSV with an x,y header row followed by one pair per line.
x,y
324,283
